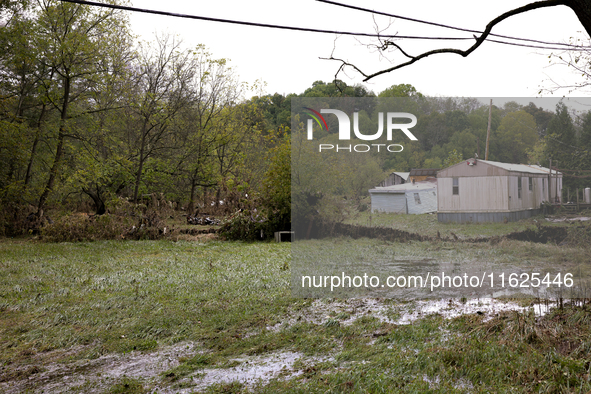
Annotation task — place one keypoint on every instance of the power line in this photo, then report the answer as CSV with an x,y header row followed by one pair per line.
x,y
294,28
444,26
245,23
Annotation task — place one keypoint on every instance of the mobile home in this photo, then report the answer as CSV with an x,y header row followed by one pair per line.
x,y
488,191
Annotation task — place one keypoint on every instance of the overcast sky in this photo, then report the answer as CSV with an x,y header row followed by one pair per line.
x,y
289,61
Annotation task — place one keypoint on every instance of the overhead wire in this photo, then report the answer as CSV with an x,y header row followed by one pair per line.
x,y
443,25
304,29
246,23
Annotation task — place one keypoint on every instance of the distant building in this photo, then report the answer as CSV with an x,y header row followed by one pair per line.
x,y
395,178
488,191
417,198
422,174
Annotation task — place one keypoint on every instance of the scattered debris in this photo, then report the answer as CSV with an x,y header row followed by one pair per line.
x,y
204,221
565,219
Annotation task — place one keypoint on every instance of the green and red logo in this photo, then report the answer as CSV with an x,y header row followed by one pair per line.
x,y
317,117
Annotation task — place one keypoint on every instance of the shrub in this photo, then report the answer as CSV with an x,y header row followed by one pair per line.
x,y
82,227
78,227
246,225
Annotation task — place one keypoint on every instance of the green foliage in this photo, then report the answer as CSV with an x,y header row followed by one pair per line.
x,y
87,116
337,88
263,214
76,227
247,225
402,90
561,143
454,157
464,143
517,133
276,192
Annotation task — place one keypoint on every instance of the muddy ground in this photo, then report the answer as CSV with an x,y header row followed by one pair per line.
x,y
70,374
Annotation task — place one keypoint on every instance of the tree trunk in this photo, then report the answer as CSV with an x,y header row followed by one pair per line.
x,y
59,150
191,206
99,204
138,176
34,147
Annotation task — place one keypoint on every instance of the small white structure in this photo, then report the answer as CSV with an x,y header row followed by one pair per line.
x,y
420,197
395,178
488,191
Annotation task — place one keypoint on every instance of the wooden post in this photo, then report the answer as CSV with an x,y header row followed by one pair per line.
x,y
550,183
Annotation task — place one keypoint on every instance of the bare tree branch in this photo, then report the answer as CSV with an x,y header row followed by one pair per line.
x,y
573,4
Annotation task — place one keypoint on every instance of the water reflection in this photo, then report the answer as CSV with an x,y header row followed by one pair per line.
x,y
341,268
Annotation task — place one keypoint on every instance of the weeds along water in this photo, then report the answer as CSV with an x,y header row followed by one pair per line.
x,y
176,316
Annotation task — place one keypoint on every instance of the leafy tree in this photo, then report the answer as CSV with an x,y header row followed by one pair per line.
x,y
276,191
517,134
337,88
78,44
561,141
585,138
454,157
402,90
431,130
541,116
161,89
464,143
561,136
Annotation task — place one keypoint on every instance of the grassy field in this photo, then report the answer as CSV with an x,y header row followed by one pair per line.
x,y
218,317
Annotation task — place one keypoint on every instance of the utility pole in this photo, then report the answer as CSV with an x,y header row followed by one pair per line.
x,y
556,196
488,129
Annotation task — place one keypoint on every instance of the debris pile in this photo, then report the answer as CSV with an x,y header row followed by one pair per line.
x,y
203,220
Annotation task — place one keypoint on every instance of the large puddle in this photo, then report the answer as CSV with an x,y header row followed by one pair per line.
x,y
347,311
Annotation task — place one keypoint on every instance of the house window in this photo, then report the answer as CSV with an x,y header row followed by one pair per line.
x,y
543,185
531,183
456,186
417,198
519,187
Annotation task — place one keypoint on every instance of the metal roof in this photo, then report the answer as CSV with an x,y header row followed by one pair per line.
x,y
424,171
533,169
403,175
405,187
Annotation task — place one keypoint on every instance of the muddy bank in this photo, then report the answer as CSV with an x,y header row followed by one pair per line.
x,y
540,234
355,231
